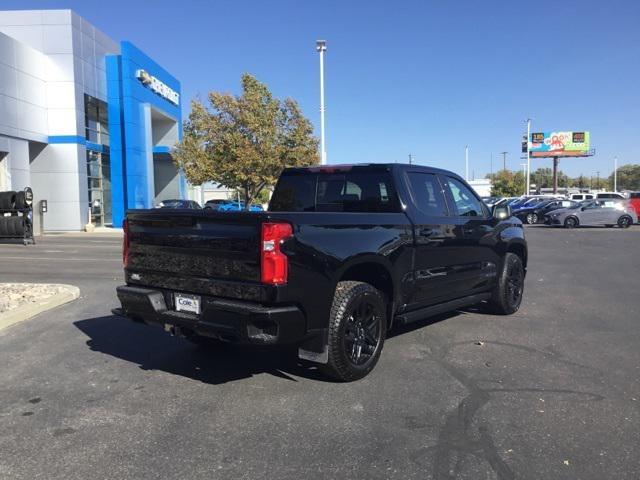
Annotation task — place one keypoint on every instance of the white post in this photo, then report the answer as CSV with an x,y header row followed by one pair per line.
x,y
528,181
524,173
615,174
466,162
321,46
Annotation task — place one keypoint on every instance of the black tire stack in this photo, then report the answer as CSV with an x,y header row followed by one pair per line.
x,y
15,215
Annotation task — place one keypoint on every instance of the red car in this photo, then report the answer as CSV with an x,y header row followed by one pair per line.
x,y
634,202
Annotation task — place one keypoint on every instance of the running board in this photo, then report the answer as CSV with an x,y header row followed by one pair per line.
x,y
422,313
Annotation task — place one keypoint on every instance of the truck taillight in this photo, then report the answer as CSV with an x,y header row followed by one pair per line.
x,y
125,243
274,264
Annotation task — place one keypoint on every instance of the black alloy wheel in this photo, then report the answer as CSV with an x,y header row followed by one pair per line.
x,y
624,221
506,296
571,222
362,332
357,330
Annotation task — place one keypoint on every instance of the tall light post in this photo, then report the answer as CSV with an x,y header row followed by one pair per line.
x,y
528,173
615,174
466,163
321,47
504,160
524,172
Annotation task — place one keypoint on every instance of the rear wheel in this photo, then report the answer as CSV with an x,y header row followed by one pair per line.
x,y
571,222
507,295
624,221
532,218
357,329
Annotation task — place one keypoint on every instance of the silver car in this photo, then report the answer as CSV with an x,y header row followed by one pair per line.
x,y
607,212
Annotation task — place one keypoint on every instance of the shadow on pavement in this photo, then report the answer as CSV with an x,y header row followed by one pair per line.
x,y
153,349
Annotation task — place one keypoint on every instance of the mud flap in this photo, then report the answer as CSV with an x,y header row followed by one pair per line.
x,y
315,349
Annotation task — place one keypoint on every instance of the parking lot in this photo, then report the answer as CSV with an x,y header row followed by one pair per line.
x,y
552,392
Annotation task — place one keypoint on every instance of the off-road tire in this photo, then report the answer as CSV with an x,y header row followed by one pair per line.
x,y
504,301
348,296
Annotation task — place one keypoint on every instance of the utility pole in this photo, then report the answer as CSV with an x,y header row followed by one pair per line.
x,y
528,156
491,166
598,180
615,174
504,160
321,47
466,162
410,159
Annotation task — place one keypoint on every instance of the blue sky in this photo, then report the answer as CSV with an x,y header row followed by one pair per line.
x,y
419,77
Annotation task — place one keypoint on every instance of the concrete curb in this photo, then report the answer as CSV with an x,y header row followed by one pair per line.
x,y
30,310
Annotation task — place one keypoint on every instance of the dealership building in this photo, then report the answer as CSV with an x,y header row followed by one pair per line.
x,y
88,123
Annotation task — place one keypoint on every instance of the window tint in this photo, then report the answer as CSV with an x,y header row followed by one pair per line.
x,y
335,192
427,193
294,193
634,195
465,202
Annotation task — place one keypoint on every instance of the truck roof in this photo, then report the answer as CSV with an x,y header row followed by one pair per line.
x,y
387,167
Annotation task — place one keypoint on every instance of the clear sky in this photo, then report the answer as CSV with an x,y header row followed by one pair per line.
x,y
419,77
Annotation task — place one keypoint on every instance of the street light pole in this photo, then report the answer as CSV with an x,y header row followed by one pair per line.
x,y
615,174
466,163
321,47
528,183
524,172
504,160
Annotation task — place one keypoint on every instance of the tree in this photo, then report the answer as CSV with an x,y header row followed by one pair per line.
x,y
243,142
507,184
628,177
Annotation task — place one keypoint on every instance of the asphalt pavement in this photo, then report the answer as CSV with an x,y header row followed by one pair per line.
x,y
552,392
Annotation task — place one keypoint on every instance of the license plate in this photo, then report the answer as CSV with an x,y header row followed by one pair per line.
x,y
187,303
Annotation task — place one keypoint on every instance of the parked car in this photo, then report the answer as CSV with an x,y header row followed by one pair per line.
x,y
177,203
343,254
238,206
581,196
215,203
536,213
615,195
594,212
634,202
491,201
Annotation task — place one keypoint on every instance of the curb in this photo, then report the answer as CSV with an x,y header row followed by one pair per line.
x,y
28,311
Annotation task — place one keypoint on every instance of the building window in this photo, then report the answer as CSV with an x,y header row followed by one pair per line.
x,y
99,188
96,120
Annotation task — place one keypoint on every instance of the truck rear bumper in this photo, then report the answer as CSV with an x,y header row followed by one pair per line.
x,y
238,321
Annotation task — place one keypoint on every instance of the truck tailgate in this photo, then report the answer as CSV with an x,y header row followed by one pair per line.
x,y
204,252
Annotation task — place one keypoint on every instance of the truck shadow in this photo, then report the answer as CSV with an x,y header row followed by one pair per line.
x,y
153,349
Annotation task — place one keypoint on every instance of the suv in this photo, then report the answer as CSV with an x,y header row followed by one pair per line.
x,y
578,197
608,195
343,254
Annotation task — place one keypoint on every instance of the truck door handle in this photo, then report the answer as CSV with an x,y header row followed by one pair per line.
x,y
428,232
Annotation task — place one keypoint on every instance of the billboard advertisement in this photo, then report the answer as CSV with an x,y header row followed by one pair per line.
x,y
559,144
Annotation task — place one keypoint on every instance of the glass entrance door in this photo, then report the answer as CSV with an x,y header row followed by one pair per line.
x,y
99,188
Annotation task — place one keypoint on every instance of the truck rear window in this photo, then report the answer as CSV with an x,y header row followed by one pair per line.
x,y
335,192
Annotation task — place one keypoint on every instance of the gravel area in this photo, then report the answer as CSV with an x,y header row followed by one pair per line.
x,y
14,295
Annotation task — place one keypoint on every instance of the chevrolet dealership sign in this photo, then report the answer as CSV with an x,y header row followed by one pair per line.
x,y
161,88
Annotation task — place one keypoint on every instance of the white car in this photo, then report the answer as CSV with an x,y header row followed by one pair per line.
x,y
581,196
605,195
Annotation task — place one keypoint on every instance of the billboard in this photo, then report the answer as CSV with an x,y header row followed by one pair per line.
x,y
559,144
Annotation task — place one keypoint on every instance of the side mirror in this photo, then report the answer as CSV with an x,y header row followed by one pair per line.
x,y
501,212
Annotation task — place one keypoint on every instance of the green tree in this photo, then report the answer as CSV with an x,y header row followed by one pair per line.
x,y
628,177
507,184
244,142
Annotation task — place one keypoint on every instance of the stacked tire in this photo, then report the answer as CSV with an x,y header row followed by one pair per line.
x,y
8,201
12,226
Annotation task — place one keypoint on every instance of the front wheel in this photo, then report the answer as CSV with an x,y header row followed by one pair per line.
x,y
532,218
571,222
357,329
507,295
624,221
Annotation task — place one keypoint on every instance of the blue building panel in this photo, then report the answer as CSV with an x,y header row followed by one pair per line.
x,y
136,84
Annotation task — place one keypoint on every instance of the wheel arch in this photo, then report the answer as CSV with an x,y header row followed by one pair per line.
x,y
519,248
375,272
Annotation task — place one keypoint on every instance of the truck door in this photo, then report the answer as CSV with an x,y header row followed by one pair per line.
x,y
476,259
433,232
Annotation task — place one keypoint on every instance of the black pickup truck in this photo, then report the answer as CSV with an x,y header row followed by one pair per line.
x,y
342,255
